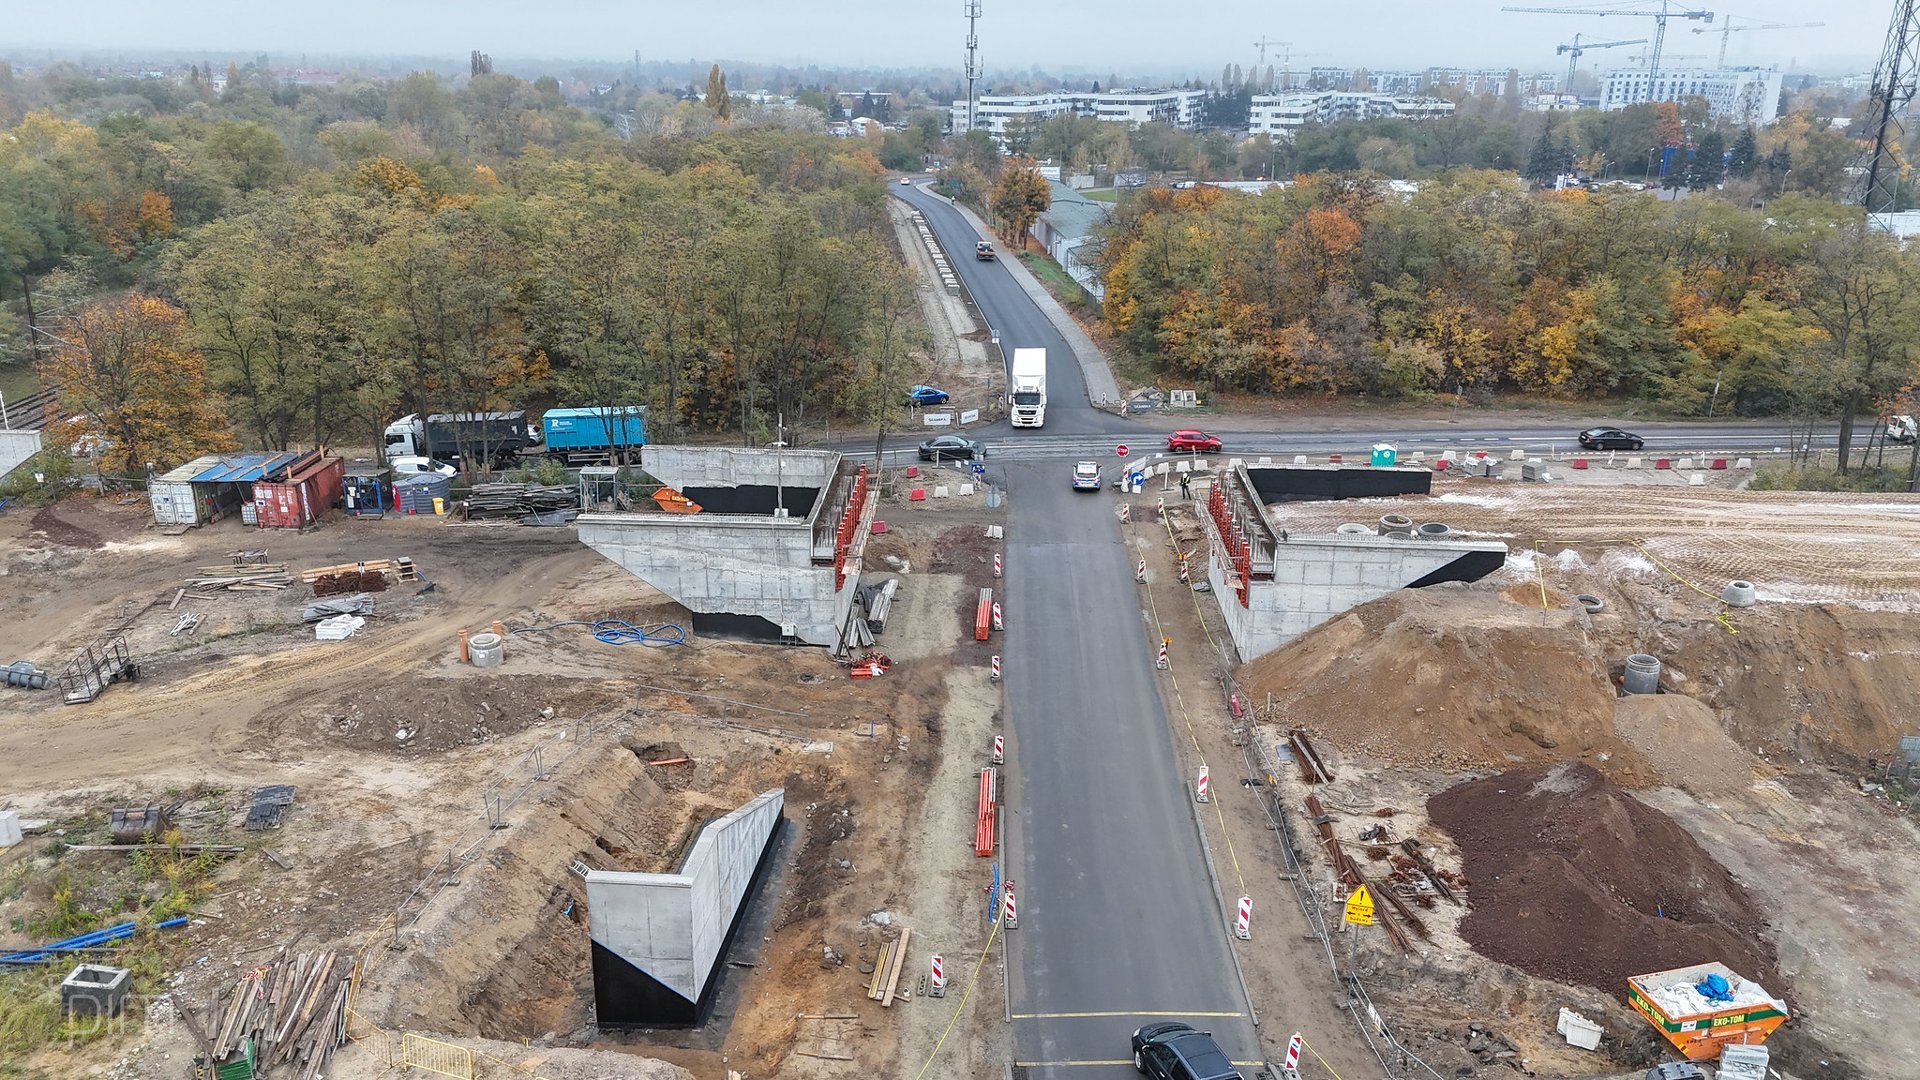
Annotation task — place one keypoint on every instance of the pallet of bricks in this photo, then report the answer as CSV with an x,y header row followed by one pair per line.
x,y
373,576
290,1011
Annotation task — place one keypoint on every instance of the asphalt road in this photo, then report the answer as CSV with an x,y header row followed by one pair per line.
x,y
1119,924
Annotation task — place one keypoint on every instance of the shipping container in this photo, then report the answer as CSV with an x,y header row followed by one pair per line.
x,y
294,496
595,431
211,487
173,497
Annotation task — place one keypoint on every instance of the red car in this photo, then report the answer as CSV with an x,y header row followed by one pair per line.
x,y
1198,441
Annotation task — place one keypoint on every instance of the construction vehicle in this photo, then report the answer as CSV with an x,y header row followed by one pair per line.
x,y
1028,398
1703,1008
594,434
469,438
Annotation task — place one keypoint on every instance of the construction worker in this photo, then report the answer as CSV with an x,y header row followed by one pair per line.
x,y
1186,486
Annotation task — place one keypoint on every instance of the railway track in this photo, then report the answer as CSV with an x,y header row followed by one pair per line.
x,y
30,412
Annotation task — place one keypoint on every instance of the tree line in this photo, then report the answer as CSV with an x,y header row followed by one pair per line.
x,y
438,249
1474,285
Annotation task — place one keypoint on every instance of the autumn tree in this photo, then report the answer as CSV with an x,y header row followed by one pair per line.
x,y
126,371
717,98
1019,199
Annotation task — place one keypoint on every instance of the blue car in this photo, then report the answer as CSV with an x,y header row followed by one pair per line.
x,y
926,395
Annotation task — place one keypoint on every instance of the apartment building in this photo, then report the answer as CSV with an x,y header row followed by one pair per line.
x,y
994,112
1281,115
1737,95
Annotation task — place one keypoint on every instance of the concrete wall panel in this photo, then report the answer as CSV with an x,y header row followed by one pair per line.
x,y
16,447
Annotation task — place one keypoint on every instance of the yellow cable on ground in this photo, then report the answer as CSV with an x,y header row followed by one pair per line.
x,y
1722,618
1318,1058
964,995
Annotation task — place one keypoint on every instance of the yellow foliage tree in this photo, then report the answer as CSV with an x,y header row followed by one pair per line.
x,y
138,389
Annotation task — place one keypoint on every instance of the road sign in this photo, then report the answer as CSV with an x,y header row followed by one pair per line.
x,y
1360,907
979,468
1121,449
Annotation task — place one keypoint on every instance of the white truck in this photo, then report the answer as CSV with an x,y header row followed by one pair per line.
x,y
1027,399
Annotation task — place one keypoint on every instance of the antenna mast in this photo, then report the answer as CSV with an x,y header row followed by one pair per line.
x,y
973,56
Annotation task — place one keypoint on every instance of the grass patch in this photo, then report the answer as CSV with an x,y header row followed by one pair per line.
x,y
1061,284
1788,478
17,381
1106,195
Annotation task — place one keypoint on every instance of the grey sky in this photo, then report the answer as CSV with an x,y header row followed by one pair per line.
x,y
1107,35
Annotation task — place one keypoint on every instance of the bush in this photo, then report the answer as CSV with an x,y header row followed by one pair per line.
x,y
55,464
1789,478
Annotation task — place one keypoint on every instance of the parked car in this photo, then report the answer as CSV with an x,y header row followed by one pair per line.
x,y
410,465
1607,438
1191,440
1086,476
951,447
1171,1050
926,395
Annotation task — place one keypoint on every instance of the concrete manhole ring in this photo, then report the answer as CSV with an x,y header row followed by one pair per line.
x,y
1592,603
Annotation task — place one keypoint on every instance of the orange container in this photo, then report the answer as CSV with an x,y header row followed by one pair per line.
x,y
1700,1033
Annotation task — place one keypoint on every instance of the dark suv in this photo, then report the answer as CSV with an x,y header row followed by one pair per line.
x,y
1171,1050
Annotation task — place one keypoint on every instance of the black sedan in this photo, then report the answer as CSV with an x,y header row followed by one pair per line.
x,y
951,448
1171,1050
1608,438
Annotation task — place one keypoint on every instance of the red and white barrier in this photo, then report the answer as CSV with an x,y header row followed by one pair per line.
x,y
1007,912
998,622
1161,663
999,747
1140,572
1160,509
936,976
994,673
996,564
1183,569
1126,513
1242,925
1202,791
1290,1066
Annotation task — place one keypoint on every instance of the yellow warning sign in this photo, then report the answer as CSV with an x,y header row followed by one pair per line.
x,y
1360,907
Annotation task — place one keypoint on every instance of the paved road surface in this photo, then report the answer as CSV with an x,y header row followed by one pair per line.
x,y
1119,924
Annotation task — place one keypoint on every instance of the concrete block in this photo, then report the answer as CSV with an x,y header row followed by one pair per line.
x,y
1635,463
9,828
940,491
1518,454
1696,479
1299,459
1234,463
1743,463
1265,461
1184,466
1684,463
995,532
966,489
95,989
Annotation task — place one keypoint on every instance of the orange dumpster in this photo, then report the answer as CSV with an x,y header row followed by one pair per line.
x,y
1696,1025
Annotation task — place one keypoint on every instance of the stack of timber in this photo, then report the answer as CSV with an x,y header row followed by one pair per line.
x,y
347,578
254,577
291,1011
519,500
884,986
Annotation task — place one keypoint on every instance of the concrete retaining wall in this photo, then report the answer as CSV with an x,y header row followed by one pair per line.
x,y
720,466
1318,577
16,447
657,938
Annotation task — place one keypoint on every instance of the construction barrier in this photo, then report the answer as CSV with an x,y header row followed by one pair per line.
x,y
1126,514
1160,509
996,564
1290,1066
1201,791
983,824
434,1056
1012,921
1140,572
1242,926
1161,663
998,622
936,976
983,615
999,749
994,672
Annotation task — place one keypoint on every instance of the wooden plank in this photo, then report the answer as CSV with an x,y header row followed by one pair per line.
x,y
176,599
899,962
879,971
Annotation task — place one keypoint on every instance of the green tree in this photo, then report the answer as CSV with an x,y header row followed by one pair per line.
x,y
717,98
1707,167
1742,157
1019,199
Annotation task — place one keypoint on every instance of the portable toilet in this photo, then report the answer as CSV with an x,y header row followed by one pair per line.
x,y
1383,456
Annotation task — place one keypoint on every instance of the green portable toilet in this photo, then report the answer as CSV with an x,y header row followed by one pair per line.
x,y
1383,455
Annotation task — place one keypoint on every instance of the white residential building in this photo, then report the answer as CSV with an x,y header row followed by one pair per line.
x,y
1281,115
1491,81
1738,95
993,112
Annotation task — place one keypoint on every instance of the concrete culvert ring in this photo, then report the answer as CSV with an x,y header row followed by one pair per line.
x,y
1592,603
1738,594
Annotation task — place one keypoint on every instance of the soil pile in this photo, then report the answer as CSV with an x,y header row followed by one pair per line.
x,y
1575,880
1450,677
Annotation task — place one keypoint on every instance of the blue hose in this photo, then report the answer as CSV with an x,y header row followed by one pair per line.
x,y
620,632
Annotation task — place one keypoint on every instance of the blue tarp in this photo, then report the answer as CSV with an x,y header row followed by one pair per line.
x,y
245,468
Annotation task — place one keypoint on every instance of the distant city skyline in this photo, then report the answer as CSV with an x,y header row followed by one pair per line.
x,y
1117,37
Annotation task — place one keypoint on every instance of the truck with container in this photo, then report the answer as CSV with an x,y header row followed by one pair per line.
x,y
1027,394
595,434
470,439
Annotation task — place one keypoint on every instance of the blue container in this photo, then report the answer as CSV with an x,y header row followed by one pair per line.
x,y
615,427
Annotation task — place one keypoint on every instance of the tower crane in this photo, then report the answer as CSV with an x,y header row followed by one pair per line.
x,y
1727,30
1575,48
1659,18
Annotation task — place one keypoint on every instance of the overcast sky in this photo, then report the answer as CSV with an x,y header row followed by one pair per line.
x,y
1107,35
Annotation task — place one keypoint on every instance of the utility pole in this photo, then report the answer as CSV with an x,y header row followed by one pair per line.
x,y
1895,81
973,56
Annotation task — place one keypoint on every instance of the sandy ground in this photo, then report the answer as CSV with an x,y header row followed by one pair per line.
x,y
962,361
403,758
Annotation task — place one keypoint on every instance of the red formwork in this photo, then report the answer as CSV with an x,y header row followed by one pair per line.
x,y
294,497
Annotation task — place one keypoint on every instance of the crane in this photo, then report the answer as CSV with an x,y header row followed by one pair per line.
x,y
1262,46
1727,29
1576,48
1659,18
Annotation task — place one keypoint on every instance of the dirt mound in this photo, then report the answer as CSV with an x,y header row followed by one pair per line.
x,y
426,715
1575,880
1684,742
1450,677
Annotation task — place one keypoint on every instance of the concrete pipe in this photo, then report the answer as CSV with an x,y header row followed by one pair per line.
x,y
1396,525
1353,529
485,650
1738,594
23,673
1643,674
1592,603
1433,530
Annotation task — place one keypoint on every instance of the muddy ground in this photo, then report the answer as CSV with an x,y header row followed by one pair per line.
x,y
440,806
